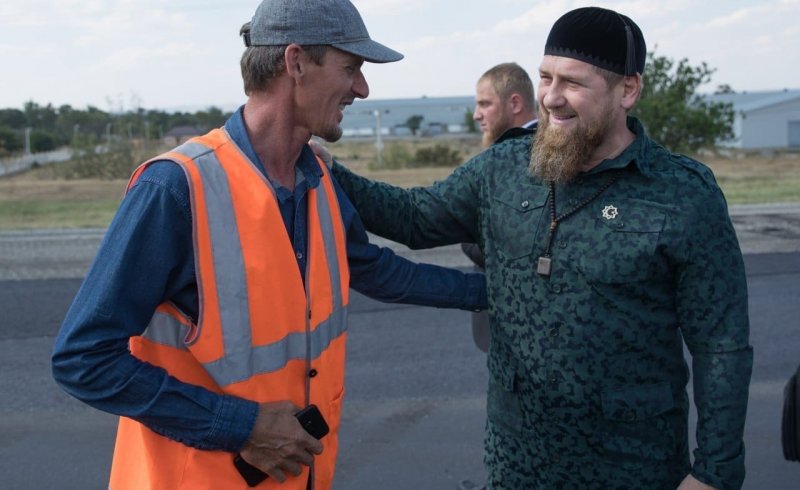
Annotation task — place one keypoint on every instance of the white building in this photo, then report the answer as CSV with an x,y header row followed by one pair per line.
x,y
764,119
439,115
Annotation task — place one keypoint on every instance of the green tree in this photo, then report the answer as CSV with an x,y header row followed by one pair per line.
x,y
414,122
396,156
213,117
469,121
672,111
10,140
90,122
724,89
42,118
42,141
66,125
13,118
439,155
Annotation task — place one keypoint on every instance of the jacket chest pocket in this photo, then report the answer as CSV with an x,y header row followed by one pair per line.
x,y
514,221
625,243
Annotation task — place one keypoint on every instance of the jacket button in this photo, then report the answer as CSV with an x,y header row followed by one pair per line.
x,y
312,373
525,204
554,332
630,416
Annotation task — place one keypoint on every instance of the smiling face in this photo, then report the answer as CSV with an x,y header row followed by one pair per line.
x,y
573,93
578,111
329,88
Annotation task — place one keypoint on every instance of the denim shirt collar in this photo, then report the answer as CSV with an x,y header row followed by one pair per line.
x,y
306,163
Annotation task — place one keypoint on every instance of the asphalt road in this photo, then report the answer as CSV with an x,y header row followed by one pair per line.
x,y
414,410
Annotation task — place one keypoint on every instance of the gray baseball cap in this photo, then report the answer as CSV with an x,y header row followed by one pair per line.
x,y
334,23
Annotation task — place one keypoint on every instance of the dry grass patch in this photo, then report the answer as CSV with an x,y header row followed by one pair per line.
x,y
27,203
26,188
758,178
37,200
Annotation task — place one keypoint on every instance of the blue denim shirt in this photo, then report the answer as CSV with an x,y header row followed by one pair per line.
x,y
147,257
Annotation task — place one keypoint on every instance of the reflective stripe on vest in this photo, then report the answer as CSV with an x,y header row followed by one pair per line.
x,y
241,360
261,330
165,329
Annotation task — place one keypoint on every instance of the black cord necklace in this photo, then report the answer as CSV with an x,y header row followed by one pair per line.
x,y
544,265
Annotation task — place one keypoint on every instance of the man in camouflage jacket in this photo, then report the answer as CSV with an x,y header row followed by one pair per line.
x,y
588,378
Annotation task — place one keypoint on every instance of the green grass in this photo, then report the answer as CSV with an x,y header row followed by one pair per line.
x,y
757,190
27,214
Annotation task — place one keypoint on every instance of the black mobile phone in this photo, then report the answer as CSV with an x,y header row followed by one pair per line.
x,y
312,421
252,475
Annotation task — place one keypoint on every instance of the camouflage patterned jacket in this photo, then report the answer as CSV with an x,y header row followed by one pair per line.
x,y
588,377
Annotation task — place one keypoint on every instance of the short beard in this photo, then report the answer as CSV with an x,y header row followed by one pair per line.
x,y
487,139
558,155
496,130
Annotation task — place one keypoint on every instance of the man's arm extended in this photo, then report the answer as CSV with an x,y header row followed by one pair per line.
x,y
421,217
385,276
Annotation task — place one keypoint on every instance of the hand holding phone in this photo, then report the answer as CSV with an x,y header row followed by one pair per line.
x,y
312,422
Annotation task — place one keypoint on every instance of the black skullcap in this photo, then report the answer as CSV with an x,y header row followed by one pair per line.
x,y
600,37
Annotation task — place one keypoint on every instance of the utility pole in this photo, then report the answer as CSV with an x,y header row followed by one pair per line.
x,y
28,140
378,140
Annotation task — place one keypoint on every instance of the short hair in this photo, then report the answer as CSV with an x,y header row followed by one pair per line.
x,y
510,78
260,64
611,78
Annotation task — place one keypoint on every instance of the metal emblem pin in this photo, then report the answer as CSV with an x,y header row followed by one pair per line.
x,y
610,212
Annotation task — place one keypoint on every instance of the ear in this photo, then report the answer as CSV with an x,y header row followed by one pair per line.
x,y
515,103
631,90
294,58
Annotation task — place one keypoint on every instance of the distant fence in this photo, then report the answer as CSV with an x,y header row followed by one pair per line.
x,y
14,165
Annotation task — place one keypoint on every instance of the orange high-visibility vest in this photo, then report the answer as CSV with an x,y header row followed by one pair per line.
x,y
260,334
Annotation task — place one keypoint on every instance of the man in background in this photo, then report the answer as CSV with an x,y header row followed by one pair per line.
x,y
504,99
505,107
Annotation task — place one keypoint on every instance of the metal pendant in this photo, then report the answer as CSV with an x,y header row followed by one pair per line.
x,y
543,266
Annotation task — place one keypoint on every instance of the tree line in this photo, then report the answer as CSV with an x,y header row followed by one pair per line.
x,y
50,127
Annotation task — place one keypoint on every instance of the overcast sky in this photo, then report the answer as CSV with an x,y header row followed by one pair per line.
x,y
184,54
